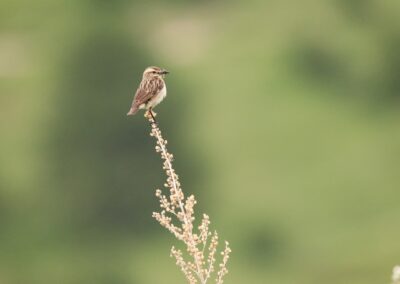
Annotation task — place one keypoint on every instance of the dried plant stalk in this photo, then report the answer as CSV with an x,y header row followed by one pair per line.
x,y
178,216
396,275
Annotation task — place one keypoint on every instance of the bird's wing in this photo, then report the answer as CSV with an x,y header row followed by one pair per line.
x,y
145,93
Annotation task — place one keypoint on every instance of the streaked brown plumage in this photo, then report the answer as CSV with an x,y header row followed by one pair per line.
x,y
152,90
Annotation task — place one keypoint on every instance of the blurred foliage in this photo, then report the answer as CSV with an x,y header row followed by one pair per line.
x,y
283,118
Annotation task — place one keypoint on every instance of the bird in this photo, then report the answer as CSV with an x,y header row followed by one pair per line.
x,y
151,91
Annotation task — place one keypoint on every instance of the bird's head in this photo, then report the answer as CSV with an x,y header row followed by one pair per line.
x,y
154,71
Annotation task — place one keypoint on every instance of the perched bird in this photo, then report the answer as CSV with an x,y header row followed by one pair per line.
x,y
152,90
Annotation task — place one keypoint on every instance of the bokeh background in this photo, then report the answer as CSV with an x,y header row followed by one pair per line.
x,y
283,117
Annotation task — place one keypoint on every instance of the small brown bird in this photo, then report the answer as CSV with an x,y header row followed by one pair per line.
x,y
152,90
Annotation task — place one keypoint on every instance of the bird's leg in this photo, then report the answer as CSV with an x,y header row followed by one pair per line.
x,y
152,116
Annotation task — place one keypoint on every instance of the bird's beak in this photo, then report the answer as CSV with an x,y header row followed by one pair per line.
x,y
164,72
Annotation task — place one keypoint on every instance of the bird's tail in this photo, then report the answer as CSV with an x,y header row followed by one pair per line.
x,y
133,110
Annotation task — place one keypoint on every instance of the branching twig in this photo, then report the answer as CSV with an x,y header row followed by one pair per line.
x,y
201,264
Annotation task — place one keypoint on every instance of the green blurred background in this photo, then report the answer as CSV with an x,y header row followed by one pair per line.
x,y
283,117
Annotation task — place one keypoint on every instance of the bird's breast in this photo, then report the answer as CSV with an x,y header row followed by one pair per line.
x,y
159,97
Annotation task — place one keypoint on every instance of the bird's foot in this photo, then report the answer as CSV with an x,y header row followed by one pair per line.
x,y
150,115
